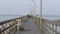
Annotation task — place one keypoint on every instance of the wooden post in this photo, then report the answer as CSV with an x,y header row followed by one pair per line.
x,y
18,25
9,24
5,32
3,29
20,21
3,26
53,28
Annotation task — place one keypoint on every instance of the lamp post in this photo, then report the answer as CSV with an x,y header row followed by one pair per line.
x,y
34,9
40,13
30,8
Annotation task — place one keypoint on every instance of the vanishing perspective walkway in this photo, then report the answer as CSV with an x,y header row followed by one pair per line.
x,y
29,28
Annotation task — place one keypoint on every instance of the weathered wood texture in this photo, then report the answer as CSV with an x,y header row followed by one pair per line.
x,y
11,24
46,25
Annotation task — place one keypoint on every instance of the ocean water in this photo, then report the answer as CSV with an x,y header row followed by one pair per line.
x,y
52,18
8,17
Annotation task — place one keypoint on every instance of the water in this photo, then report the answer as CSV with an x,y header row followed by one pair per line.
x,y
52,18
8,17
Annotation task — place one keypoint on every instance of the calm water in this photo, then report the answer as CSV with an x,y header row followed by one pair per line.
x,y
8,17
4,18
52,18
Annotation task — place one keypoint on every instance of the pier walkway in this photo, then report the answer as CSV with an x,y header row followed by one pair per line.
x,y
27,25
29,28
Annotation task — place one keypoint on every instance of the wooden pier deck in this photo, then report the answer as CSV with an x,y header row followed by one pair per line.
x,y
29,28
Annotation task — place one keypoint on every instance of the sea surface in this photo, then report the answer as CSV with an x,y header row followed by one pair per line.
x,y
8,17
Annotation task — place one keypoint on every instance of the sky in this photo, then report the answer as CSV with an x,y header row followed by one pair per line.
x,y
22,7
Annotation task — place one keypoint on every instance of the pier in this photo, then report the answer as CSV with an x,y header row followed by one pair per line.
x,y
27,25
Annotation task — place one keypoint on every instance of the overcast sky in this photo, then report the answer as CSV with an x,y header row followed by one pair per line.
x,y
19,7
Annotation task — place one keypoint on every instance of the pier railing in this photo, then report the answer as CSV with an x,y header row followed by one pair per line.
x,y
6,27
47,26
13,25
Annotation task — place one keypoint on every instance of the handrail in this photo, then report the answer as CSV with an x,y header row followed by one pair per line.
x,y
6,28
10,25
3,22
44,25
52,29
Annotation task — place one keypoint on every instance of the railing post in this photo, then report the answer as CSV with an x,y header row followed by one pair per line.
x,y
5,32
18,25
5,27
2,29
9,24
44,25
52,25
55,28
13,26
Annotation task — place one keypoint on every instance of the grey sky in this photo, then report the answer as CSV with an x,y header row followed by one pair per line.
x,y
18,7
51,7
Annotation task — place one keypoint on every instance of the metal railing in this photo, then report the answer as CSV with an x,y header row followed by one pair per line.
x,y
6,27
